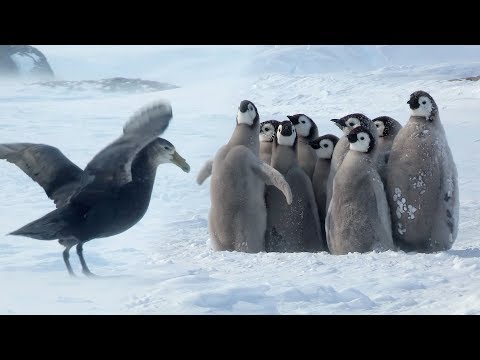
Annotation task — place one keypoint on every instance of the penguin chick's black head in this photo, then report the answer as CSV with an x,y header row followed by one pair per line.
x,y
287,128
387,127
286,134
305,126
266,125
422,104
315,144
351,121
247,113
362,139
268,130
324,146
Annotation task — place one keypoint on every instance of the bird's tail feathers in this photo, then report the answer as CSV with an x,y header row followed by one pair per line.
x,y
49,227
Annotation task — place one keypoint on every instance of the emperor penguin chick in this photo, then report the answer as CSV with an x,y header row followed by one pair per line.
x,y
346,124
387,129
238,216
306,131
295,227
266,137
358,218
422,181
323,146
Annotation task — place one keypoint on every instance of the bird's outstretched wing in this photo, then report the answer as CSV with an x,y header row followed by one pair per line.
x,y
47,166
111,167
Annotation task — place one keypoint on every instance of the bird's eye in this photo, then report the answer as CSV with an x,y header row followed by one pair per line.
x,y
326,145
362,138
351,124
377,125
266,129
166,148
424,102
303,121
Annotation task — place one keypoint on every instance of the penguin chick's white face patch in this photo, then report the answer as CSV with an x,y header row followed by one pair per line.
x,y
286,140
425,108
380,127
325,150
350,124
303,127
362,144
248,116
267,133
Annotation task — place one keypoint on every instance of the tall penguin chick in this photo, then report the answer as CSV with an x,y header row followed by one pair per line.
x,y
358,218
422,181
266,137
323,146
306,131
346,124
294,227
387,129
238,216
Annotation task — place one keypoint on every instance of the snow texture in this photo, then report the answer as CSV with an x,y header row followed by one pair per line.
x,y
164,265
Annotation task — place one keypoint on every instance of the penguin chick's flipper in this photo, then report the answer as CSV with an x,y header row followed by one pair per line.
x,y
273,177
205,172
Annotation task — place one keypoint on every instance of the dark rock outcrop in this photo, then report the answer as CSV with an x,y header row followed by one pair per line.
x,y
24,61
470,78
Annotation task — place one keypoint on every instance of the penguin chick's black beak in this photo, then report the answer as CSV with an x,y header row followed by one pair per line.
x,y
352,138
244,106
339,123
414,104
314,145
286,130
293,119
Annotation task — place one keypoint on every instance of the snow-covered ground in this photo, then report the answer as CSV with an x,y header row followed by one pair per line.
x,y
163,264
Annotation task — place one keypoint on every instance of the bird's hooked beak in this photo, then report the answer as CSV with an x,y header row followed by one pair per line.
x,y
180,162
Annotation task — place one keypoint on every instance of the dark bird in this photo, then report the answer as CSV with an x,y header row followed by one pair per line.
x,y
113,192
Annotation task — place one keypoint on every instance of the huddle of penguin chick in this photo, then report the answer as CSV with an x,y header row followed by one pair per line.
x,y
379,187
279,186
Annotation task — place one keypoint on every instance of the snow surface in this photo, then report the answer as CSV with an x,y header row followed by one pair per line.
x,y
163,265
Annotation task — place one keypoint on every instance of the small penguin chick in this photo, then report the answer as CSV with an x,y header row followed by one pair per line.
x,y
361,139
268,130
324,146
386,126
286,134
247,113
349,122
423,105
305,126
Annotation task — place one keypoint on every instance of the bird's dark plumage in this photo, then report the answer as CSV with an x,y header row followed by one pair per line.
x,y
47,166
113,192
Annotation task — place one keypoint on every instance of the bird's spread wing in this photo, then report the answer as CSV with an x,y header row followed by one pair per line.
x,y
47,166
111,167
